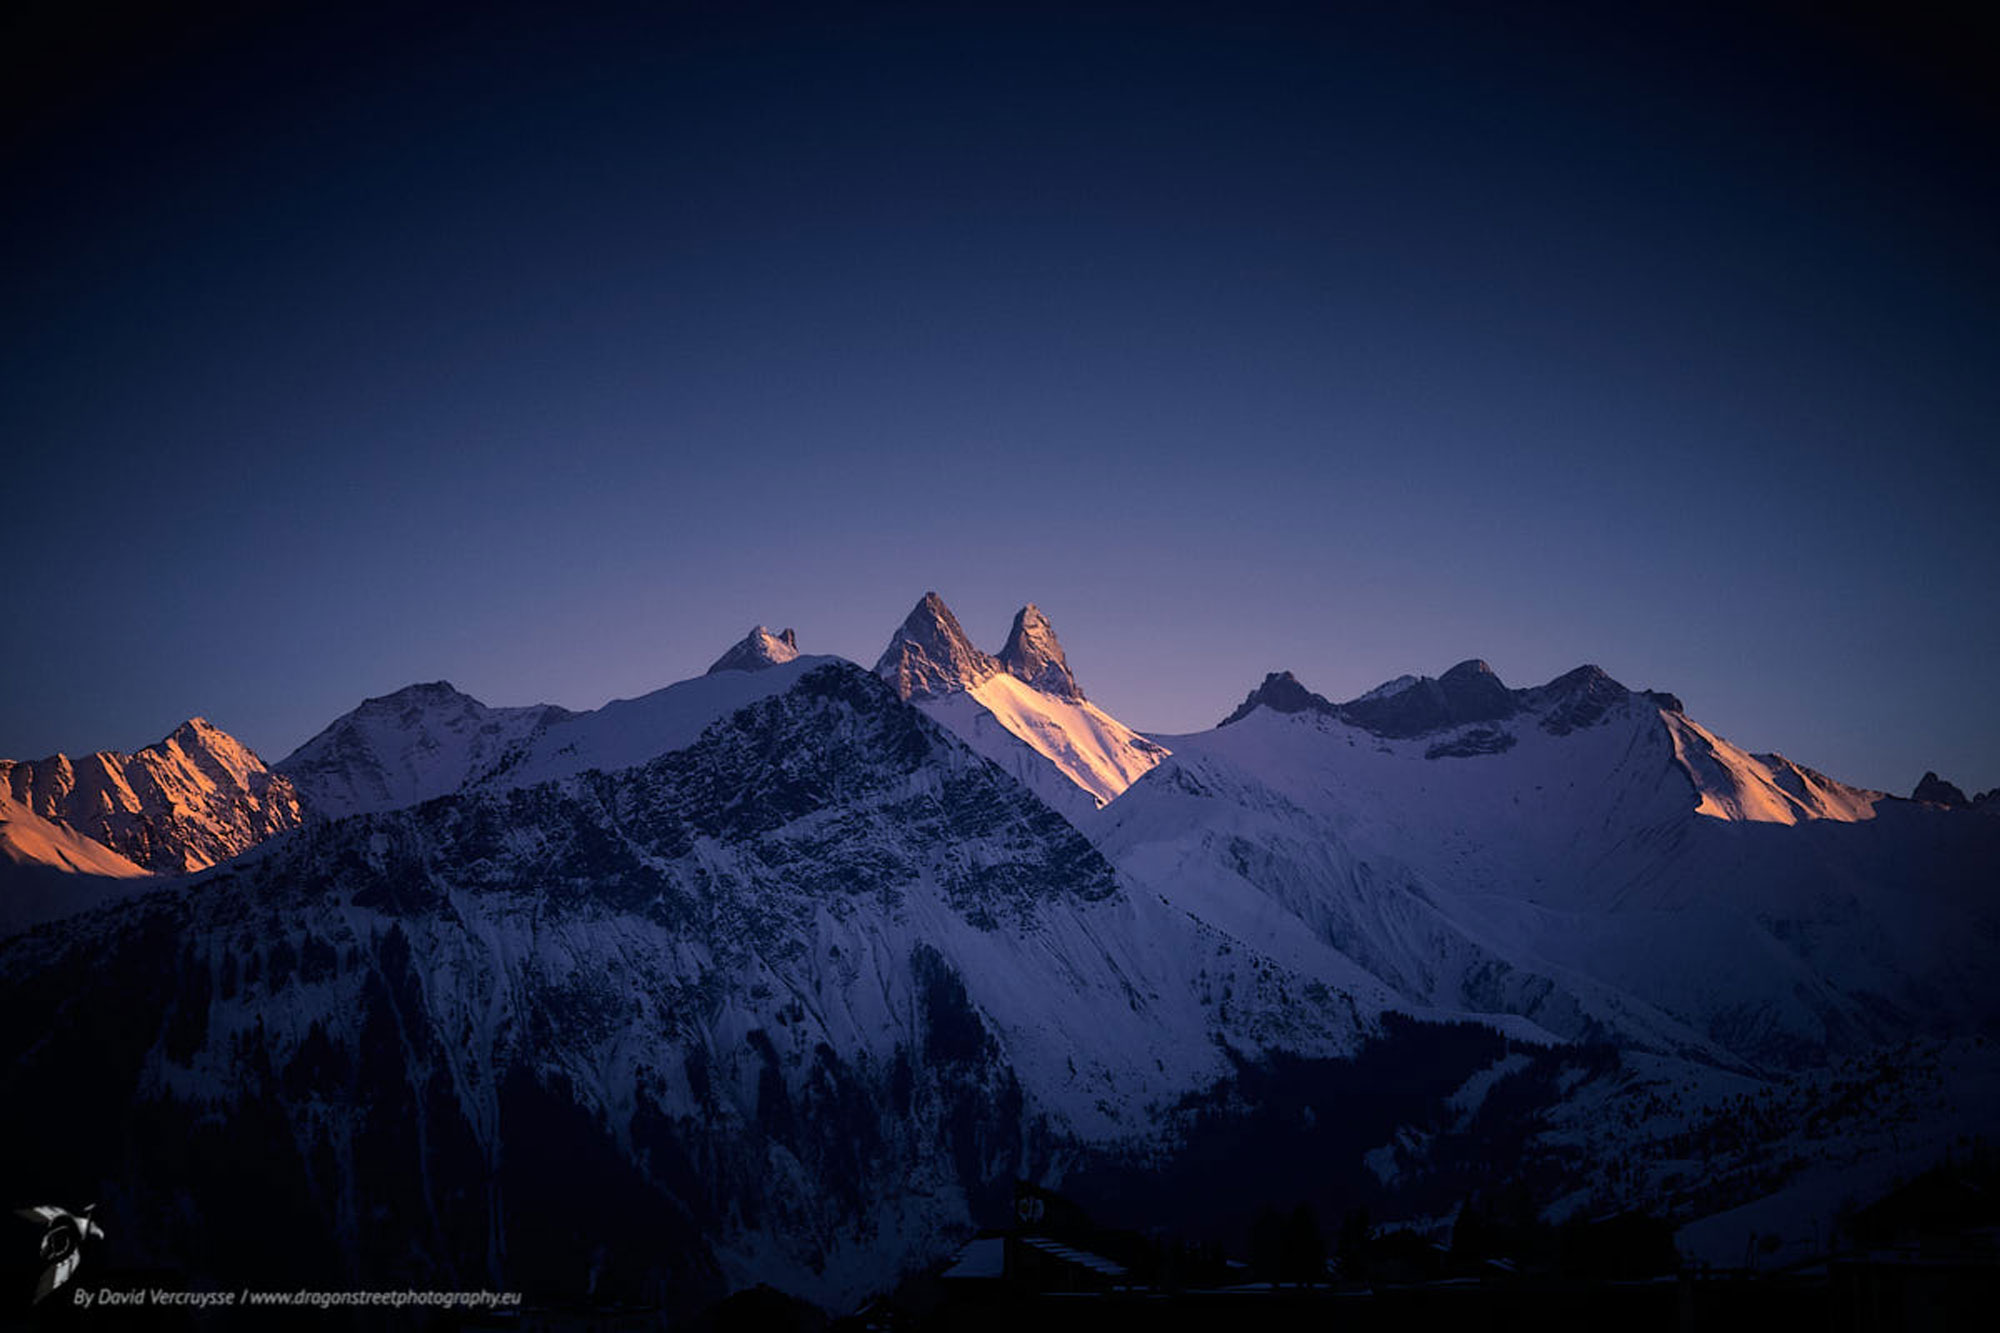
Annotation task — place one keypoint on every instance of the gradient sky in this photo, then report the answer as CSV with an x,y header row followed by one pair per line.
x,y
546,349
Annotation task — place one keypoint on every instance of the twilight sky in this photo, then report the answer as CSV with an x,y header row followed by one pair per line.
x,y
545,349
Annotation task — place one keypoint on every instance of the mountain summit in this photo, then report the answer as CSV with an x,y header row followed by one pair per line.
x,y
1022,709
758,650
930,656
1033,654
180,805
421,742
1282,693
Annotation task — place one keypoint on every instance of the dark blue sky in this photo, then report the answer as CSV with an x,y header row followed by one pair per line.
x,y
547,349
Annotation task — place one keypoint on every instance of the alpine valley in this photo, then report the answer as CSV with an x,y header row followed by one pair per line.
x,y
789,973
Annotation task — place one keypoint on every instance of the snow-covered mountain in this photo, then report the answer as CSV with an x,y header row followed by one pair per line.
x,y
1022,709
427,741
194,799
1729,783
792,968
27,839
757,650
795,1001
422,741
1578,853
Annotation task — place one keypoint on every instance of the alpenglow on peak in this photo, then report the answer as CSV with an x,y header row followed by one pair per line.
x,y
1034,654
930,655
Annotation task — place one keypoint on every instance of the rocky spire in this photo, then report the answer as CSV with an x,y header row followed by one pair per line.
x,y
931,656
759,649
1033,654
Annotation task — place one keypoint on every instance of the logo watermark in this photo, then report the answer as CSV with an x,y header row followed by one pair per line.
x,y
62,1243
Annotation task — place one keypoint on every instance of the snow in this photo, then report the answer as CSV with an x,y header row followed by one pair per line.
x,y
1471,1094
428,741
1638,875
1088,747
419,743
182,804
1731,784
1388,688
1026,697
628,732
28,839
1280,883
985,1257
758,650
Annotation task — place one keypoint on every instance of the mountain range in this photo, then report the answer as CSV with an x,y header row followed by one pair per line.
x,y
797,967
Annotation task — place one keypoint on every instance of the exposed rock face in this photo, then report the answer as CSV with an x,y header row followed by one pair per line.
x,y
1281,693
194,799
1576,699
759,650
554,1038
931,656
1404,707
1937,791
1033,654
1469,692
1023,709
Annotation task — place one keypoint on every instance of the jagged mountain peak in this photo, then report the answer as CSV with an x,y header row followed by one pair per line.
x,y
200,732
1576,699
758,650
1022,709
930,655
1035,655
1472,668
1281,693
1413,706
413,744
1936,791
194,798
1587,676
201,743
426,695
431,689
1470,692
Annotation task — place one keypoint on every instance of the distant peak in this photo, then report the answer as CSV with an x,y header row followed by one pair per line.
x,y
1936,791
930,654
1035,655
1578,699
412,701
1418,705
1281,693
1389,689
758,650
1582,677
419,693
199,734
207,746
1474,693
200,731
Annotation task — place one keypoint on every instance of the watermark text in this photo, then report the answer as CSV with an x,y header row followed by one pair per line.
x,y
247,1297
